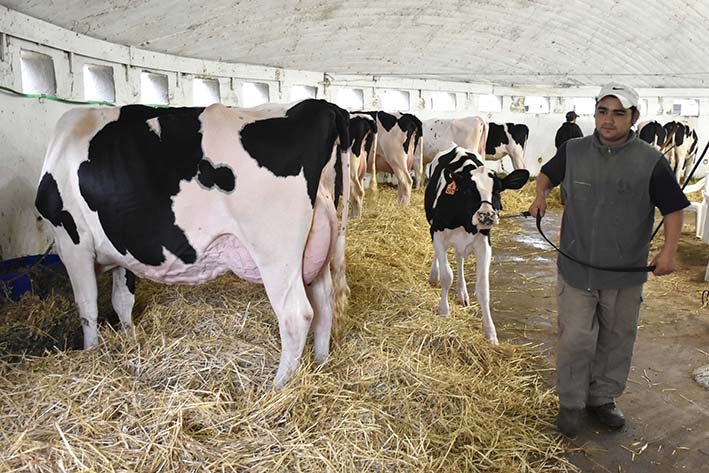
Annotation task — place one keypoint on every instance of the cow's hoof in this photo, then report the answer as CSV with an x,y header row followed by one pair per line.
x,y
464,300
443,311
493,340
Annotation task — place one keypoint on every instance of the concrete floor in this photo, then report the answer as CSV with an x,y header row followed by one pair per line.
x,y
667,412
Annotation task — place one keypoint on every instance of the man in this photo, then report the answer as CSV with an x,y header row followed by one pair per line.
x,y
565,132
613,182
568,130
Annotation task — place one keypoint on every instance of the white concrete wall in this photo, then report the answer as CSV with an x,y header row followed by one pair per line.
x,y
26,124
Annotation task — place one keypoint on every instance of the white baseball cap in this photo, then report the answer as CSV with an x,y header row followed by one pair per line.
x,y
627,95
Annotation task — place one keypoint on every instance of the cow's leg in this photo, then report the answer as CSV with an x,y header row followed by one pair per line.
x,y
372,171
517,157
483,255
463,296
681,159
320,293
79,264
404,183
123,296
445,273
289,300
418,166
433,273
357,189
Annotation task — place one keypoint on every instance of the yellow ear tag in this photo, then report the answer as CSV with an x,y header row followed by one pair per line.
x,y
451,188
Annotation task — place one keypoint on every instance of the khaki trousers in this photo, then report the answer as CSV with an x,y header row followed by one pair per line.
x,y
597,330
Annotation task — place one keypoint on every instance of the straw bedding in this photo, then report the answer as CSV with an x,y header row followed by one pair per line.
x,y
190,389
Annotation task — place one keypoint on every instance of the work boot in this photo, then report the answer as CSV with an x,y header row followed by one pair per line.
x,y
608,414
569,421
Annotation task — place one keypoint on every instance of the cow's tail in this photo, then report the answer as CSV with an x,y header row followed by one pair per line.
x,y
483,139
341,290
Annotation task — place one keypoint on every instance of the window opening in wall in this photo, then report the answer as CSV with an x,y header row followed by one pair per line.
x,y
254,93
642,106
395,100
205,92
443,102
302,92
98,83
584,105
153,88
351,99
536,104
685,107
490,103
37,73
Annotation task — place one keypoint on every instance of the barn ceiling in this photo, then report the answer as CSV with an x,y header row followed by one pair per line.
x,y
649,43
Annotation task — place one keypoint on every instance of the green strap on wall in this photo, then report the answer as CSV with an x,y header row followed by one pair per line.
x,y
75,102
56,99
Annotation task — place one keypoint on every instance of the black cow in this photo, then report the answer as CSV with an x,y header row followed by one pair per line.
x,y
462,202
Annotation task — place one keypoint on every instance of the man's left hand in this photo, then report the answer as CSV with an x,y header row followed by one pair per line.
x,y
664,263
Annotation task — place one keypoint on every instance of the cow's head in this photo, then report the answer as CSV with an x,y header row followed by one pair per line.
x,y
480,188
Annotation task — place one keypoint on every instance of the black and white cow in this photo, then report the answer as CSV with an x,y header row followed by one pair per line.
x,y
183,195
363,136
652,132
398,136
462,202
508,139
683,140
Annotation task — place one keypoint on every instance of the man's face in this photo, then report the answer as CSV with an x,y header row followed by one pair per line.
x,y
613,122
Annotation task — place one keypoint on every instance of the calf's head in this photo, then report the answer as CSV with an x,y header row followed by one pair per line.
x,y
480,189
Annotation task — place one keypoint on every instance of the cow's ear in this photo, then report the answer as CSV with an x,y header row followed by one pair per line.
x,y
516,179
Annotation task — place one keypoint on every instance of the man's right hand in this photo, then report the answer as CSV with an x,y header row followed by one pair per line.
x,y
538,206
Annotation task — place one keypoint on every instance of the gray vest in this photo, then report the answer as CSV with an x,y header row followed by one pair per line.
x,y
608,216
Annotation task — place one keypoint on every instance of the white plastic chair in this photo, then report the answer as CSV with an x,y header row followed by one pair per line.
x,y
700,208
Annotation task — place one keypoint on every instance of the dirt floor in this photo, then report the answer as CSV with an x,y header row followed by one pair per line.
x,y
667,411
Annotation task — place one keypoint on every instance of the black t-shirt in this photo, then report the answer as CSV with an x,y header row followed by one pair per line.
x,y
665,194
567,131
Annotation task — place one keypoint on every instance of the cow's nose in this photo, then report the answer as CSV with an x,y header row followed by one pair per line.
x,y
486,218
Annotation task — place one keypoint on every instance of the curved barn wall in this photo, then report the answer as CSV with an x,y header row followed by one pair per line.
x,y
27,124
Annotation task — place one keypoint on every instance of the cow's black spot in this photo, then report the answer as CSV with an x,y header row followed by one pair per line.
x,y
368,143
359,127
412,126
302,140
387,120
221,176
519,132
132,175
130,282
496,136
50,205
652,131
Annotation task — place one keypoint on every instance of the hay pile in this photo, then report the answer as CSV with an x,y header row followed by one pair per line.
x,y
190,389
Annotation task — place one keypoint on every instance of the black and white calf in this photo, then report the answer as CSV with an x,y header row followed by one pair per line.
x,y
462,203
